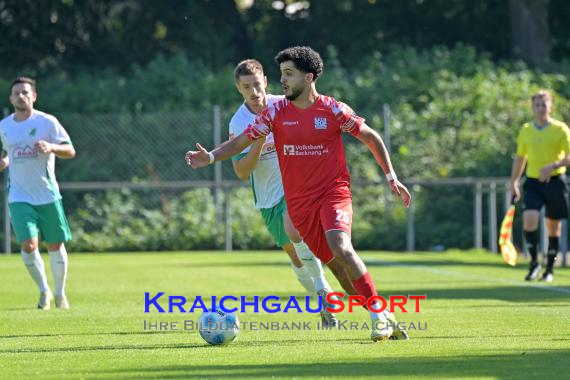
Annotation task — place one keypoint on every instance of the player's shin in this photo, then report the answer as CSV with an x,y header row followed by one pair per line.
x,y
312,265
553,243
365,287
304,279
35,266
58,261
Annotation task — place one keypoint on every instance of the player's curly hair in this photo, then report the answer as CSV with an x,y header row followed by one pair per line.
x,y
305,59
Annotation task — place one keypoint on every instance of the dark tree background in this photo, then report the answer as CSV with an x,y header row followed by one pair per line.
x,y
66,36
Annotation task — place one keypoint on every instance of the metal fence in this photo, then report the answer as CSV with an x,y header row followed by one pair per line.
x,y
144,153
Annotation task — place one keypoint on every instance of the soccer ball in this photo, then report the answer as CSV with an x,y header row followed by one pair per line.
x,y
217,327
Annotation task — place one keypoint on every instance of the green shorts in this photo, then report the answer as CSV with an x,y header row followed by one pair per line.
x,y
47,222
273,218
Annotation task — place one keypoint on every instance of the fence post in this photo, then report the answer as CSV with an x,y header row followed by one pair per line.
x,y
7,226
478,216
508,197
411,233
228,228
493,217
218,174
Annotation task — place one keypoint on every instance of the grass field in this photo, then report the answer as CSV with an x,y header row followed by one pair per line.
x,y
482,321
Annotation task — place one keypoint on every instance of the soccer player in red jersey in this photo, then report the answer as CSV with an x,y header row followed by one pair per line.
x,y
307,128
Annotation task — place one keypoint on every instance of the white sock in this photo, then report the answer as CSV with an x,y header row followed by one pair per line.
x,y
304,278
36,268
377,317
313,265
58,260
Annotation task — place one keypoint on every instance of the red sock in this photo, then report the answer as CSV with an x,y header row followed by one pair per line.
x,y
365,286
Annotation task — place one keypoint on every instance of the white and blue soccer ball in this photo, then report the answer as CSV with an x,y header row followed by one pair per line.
x,y
218,327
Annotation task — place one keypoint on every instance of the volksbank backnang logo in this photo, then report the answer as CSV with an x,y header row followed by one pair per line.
x,y
333,302
289,150
304,150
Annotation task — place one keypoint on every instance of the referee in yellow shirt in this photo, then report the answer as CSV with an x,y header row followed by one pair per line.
x,y
544,145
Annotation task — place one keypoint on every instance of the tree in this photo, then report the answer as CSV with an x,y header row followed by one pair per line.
x,y
66,35
530,33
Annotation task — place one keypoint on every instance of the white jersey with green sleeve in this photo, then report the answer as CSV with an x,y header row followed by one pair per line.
x,y
31,174
266,178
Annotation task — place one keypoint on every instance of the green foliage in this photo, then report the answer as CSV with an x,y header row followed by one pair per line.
x,y
154,221
377,223
248,228
474,118
131,221
454,113
441,98
164,85
157,221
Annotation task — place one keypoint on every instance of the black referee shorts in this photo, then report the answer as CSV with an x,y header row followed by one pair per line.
x,y
553,195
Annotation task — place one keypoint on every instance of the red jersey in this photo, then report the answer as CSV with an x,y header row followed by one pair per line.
x,y
309,146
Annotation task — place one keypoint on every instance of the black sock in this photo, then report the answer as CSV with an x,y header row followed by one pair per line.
x,y
553,242
531,238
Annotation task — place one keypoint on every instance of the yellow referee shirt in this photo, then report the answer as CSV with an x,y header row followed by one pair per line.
x,y
543,146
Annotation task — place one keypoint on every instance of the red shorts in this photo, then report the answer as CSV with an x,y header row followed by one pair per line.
x,y
314,220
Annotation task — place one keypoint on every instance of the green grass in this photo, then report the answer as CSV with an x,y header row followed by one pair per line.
x,y
482,320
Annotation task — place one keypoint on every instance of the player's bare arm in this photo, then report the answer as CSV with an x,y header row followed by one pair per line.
x,y
546,171
4,160
201,157
374,142
246,165
64,151
516,173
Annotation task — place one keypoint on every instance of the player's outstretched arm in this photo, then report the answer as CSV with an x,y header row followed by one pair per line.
x,y
247,164
201,157
374,142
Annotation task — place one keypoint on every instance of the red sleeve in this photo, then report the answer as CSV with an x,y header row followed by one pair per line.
x,y
349,121
261,126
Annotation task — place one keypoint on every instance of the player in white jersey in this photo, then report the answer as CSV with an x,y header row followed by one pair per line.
x,y
31,140
259,163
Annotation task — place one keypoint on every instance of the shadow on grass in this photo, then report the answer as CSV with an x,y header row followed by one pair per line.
x,y
541,295
530,364
436,263
524,294
178,346
87,334
232,262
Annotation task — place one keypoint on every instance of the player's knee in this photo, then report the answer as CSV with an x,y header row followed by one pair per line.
x,y
530,220
343,251
54,247
29,246
530,225
293,235
290,250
